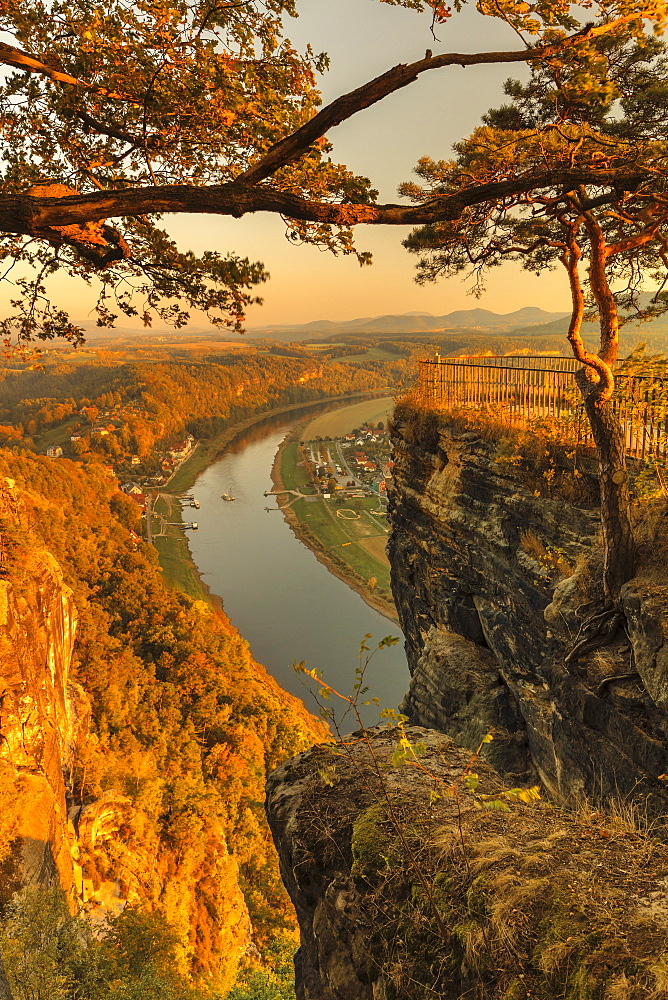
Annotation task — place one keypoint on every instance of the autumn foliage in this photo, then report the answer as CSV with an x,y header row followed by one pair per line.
x,y
184,723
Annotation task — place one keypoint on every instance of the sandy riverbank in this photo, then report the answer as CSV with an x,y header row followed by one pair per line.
x,y
384,607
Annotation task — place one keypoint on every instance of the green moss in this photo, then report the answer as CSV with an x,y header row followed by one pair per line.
x,y
476,899
372,848
442,890
581,986
462,931
568,975
516,990
563,920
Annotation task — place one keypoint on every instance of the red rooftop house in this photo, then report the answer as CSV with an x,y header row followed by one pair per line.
x,y
140,498
179,450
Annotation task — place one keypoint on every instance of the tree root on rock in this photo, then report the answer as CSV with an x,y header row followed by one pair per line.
x,y
601,624
614,679
598,629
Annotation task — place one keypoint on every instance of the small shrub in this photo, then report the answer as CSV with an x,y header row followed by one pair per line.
x,y
552,559
542,451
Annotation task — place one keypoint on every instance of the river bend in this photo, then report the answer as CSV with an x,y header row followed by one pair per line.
x,y
283,601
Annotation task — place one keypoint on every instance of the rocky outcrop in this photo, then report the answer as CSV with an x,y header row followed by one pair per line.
x,y
644,605
406,886
415,871
40,712
487,578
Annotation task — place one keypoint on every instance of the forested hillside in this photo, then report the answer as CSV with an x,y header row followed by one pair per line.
x,y
120,410
183,724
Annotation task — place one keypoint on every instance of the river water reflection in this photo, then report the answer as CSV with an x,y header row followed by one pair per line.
x,y
283,601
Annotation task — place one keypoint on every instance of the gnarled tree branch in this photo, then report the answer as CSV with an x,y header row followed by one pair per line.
x,y
294,146
33,214
11,56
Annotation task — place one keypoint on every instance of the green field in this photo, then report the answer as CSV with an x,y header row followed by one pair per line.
x,y
178,569
293,473
373,354
359,542
344,538
59,435
337,423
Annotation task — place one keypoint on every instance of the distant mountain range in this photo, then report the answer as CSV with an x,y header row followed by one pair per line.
x,y
413,322
464,329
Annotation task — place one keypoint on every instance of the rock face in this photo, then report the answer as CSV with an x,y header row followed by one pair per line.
x,y
325,862
477,559
406,887
405,884
40,712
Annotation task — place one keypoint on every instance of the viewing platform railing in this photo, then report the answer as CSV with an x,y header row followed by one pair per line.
x,y
528,388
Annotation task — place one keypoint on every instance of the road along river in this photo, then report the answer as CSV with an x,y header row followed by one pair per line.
x,y
283,601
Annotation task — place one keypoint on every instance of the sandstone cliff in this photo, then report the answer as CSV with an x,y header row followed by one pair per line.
x,y
39,713
407,888
487,578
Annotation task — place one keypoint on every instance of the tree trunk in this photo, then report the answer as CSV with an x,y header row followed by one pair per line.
x,y
597,384
618,544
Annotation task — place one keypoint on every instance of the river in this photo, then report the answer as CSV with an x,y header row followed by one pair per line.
x,y
283,601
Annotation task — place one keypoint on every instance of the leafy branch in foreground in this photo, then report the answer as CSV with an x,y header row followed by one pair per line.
x,y
130,111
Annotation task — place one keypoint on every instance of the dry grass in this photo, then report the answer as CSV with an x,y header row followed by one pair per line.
x,y
541,451
618,988
419,424
660,972
376,546
623,816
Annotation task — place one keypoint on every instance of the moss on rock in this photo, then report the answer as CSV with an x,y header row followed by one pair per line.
x,y
372,847
421,896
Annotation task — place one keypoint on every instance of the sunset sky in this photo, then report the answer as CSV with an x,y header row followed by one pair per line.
x,y
364,38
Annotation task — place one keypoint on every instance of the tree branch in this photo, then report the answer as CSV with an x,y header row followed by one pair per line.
x,y
34,214
571,259
93,125
600,287
295,145
11,56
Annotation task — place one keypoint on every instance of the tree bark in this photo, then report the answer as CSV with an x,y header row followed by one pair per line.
x,y
596,383
618,542
33,215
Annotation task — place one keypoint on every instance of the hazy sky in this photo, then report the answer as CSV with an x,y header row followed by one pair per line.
x,y
363,39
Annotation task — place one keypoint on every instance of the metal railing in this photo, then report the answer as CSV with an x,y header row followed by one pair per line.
x,y
543,387
535,362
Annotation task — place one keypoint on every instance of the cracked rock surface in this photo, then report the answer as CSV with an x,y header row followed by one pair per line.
x,y
488,620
